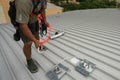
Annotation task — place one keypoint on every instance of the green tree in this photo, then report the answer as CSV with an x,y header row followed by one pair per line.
x,y
91,4
70,6
80,0
86,4
57,2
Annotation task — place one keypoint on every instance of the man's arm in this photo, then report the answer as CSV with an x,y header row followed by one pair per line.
x,y
43,14
26,31
44,20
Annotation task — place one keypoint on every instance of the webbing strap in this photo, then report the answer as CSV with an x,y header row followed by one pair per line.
x,y
45,41
42,2
34,12
33,2
39,22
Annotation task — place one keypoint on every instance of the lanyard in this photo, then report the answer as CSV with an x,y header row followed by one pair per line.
x,y
42,2
33,2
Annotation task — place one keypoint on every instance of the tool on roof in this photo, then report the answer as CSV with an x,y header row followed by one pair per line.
x,y
57,72
56,35
47,33
83,66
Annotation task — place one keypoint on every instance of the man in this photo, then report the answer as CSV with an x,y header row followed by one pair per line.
x,y
29,26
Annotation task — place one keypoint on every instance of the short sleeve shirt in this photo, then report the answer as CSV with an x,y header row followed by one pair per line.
x,y
23,10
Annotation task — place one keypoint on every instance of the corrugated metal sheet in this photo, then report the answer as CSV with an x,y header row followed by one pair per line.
x,y
89,34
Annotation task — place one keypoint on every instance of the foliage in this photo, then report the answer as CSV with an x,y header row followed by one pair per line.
x,y
80,0
70,6
57,2
91,4
86,4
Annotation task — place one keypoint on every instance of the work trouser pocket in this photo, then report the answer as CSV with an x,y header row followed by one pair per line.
x,y
34,27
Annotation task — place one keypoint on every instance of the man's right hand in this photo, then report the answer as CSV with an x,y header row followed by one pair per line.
x,y
26,31
37,43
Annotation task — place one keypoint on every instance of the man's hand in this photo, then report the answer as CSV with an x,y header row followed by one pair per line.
x,y
26,31
37,43
46,23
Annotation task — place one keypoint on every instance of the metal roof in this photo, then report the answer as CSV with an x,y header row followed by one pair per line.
x,y
89,34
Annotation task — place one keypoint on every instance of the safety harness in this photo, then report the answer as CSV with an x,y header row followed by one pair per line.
x,y
42,27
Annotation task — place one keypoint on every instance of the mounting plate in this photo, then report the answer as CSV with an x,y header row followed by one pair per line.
x,y
83,66
57,72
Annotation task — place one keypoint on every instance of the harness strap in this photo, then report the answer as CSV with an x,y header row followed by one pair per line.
x,y
45,41
39,22
39,18
33,2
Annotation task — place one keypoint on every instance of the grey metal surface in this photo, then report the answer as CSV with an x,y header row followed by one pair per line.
x,y
89,34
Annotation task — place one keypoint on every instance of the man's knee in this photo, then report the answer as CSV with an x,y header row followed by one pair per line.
x,y
28,44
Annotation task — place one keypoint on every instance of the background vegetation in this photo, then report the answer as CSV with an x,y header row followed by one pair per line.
x,y
85,4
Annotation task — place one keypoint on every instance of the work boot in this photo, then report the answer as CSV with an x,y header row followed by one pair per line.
x,y
17,35
32,66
